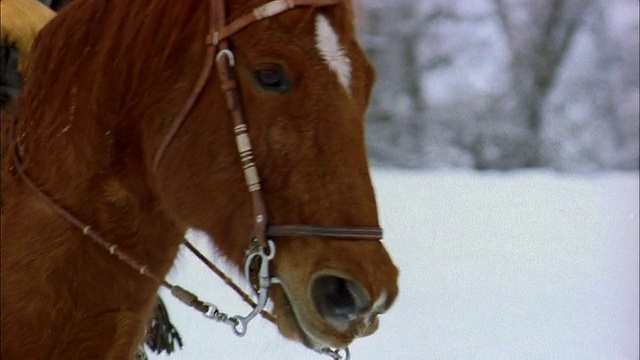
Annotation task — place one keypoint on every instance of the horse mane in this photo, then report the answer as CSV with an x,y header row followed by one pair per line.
x,y
99,84
100,71
68,53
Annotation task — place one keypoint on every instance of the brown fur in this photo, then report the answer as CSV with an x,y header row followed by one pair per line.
x,y
107,79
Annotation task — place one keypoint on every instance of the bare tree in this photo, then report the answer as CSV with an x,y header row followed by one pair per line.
x,y
539,34
396,31
504,84
620,73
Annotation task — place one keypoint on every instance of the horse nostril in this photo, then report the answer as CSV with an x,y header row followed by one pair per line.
x,y
339,299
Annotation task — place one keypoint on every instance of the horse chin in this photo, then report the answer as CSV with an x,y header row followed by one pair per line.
x,y
313,334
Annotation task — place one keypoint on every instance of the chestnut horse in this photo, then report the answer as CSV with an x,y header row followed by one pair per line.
x,y
121,135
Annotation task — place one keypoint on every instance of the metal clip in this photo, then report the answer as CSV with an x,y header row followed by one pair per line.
x,y
336,354
212,311
264,281
229,54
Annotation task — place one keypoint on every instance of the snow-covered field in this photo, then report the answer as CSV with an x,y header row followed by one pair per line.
x,y
522,265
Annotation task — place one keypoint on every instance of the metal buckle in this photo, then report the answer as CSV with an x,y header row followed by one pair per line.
x,y
336,354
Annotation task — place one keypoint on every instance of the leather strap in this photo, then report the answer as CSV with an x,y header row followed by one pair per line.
x,y
346,233
229,86
267,10
186,108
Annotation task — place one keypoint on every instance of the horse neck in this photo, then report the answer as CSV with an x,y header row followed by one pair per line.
x,y
91,163
92,291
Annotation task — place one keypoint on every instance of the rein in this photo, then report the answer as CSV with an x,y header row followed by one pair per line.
x,y
262,249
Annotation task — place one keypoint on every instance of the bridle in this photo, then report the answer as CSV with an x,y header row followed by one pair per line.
x,y
262,248
218,42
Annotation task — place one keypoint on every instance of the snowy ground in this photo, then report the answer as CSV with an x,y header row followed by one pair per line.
x,y
523,265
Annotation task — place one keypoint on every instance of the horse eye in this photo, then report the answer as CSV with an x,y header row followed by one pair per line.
x,y
272,78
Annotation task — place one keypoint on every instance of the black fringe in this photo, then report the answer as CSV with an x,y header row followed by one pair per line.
x,y
161,334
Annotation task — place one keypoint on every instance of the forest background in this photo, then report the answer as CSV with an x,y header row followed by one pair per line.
x,y
504,84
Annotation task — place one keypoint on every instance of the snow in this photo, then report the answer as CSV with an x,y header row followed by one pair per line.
x,y
520,265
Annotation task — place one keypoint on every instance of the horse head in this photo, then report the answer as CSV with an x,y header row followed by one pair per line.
x,y
305,85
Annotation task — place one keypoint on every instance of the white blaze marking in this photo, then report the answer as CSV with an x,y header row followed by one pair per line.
x,y
332,52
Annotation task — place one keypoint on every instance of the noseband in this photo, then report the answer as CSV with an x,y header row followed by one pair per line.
x,y
261,249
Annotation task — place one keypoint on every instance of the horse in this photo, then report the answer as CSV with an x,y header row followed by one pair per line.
x,y
132,141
